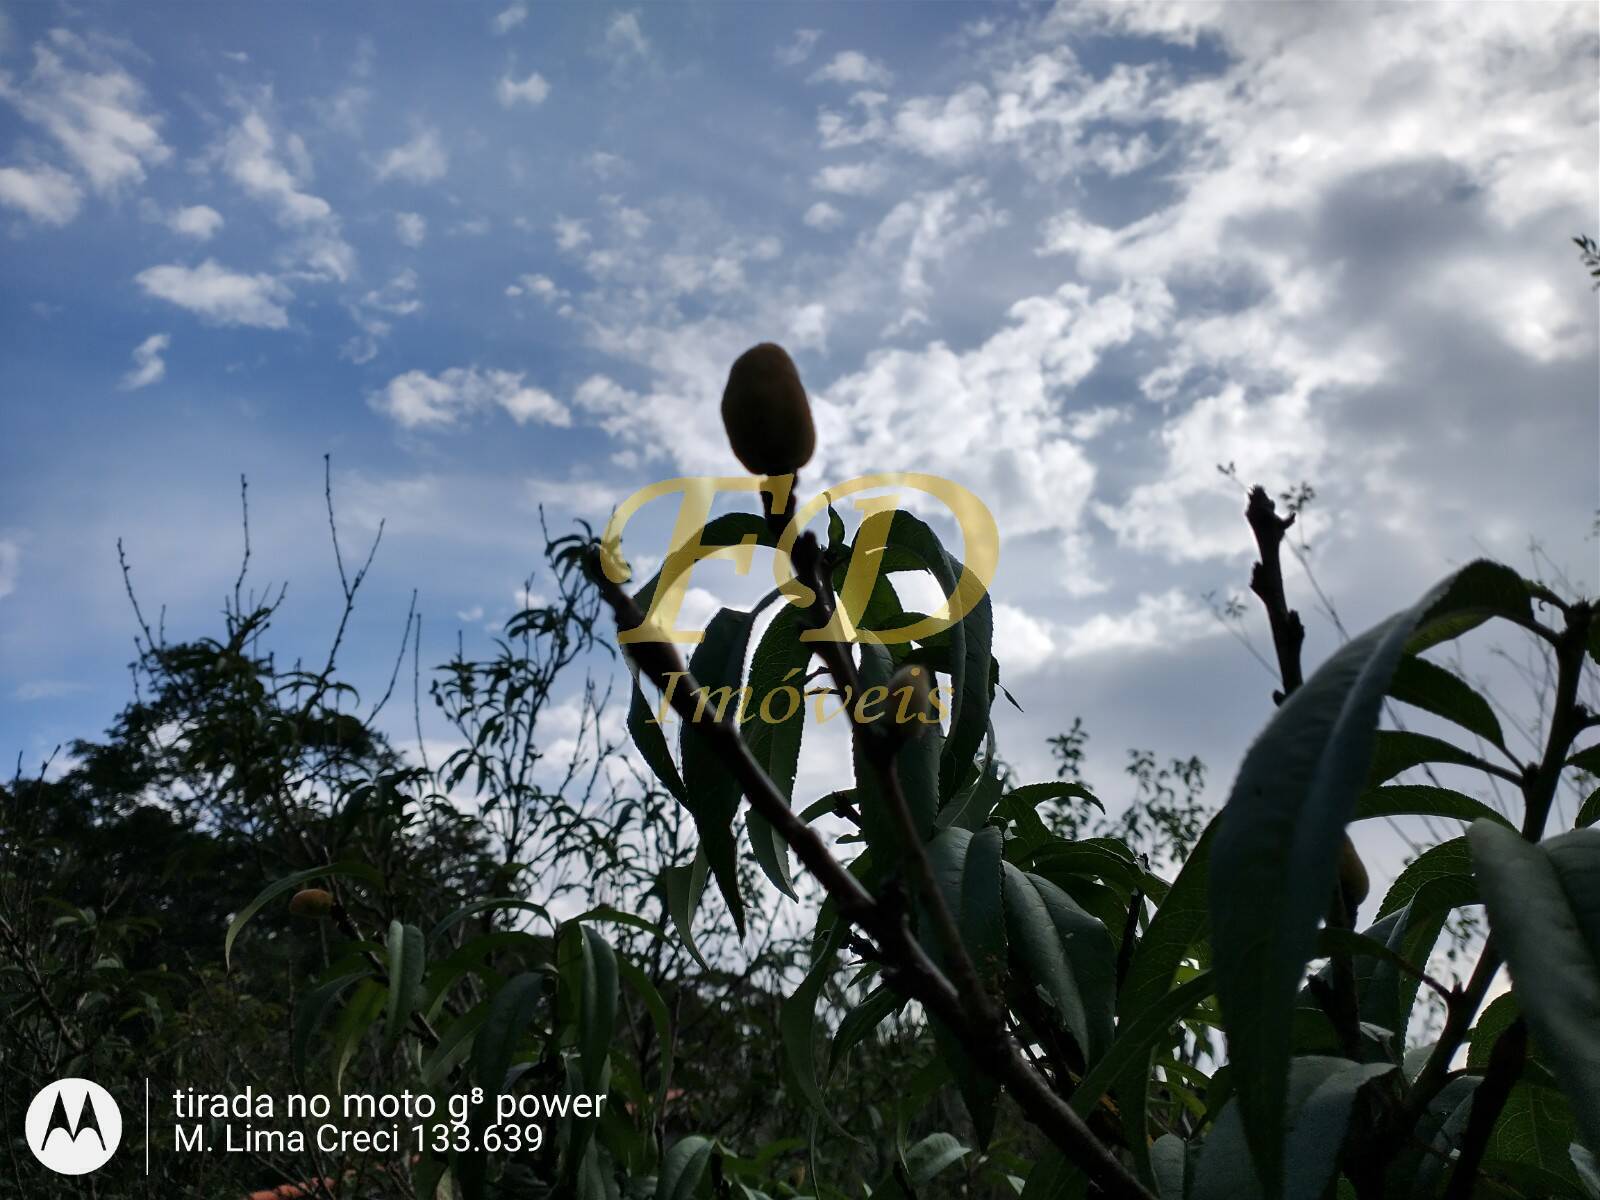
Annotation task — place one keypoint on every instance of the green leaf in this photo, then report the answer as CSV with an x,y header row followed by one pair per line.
x,y
311,1011
1530,1144
597,1008
1448,862
407,960
683,887
635,978
1479,591
1494,1020
353,1024
932,1155
1179,923
969,644
455,1040
1589,813
1054,1178
1318,1097
1445,694
352,870
1274,858
1398,750
1136,1041
1169,1163
645,728
510,1012
1422,800
683,1168
478,906
1067,953
1544,911
711,792
861,1021
779,663
967,868
797,1018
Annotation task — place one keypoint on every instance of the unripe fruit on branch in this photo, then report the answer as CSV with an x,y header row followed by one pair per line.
x,y
1353,880
311,903
766,413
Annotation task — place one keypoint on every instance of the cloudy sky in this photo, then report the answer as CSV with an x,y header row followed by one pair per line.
x,y
492,258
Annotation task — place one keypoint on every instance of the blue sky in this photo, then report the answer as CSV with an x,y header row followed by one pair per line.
x,y
1074,257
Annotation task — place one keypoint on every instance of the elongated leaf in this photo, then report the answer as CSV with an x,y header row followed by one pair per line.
x,y
1479,591
931,1155
1136,1041
969,648
353,1024
860,1021
1530,1144
477,906
1589,811
1421,800
1398,750
597,1009
683,1168
644,727
455,1042
1067,953
311,1011
711,793
1448,862
1274,859
1445,694
1180,922
683,887
967,868
797,1020
352,870
659,1017
407,960
773,727
1319,1096
1544,911
507,1019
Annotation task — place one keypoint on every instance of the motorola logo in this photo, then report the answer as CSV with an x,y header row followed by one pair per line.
x,y
73,1126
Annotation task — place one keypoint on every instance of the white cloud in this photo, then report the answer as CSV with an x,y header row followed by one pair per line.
x,y
197,221
798,48
10,566
950,131
219,295
851,179
1189,512
508,19
531,90
47,195
421,160
411,228
416,399
250,157
48,689
823,215
1092,422
933,224
624,38
148,365
570,232
605,165
541,286
94,109
851,66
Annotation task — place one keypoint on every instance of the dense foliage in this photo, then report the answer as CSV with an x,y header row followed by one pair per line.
x,y
936,981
